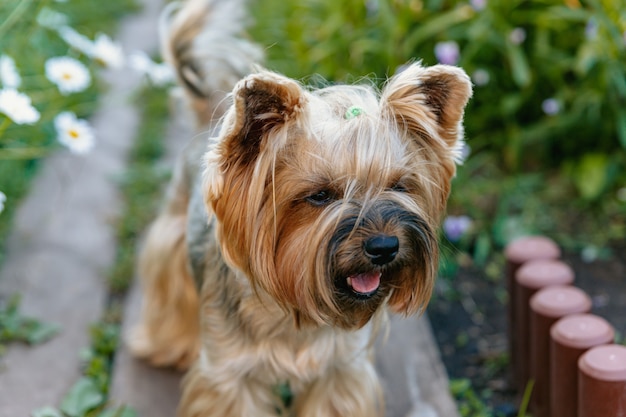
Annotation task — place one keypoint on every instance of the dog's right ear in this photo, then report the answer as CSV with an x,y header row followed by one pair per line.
x,y
263,103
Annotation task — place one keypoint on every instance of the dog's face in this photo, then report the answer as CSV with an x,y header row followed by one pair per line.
x,y
329,200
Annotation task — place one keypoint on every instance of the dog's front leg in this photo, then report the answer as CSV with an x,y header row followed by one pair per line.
x,y
211,394
349,391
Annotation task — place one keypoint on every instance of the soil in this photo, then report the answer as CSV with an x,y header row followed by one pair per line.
x,y
469,319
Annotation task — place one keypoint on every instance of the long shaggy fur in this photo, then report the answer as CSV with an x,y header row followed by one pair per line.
x,y
304,217
197,39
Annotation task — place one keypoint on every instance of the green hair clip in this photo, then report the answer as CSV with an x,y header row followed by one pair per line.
x,y
352,112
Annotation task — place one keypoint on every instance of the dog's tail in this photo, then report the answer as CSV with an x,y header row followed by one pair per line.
x,y
204,41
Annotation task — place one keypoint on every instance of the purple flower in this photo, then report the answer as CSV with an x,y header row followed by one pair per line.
x,y
455,227
517,36
447,52
591,29
550,106
372,7
478,4
480,77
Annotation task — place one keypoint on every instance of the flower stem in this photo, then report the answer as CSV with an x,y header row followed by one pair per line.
x,y
3,126
23,153
14,16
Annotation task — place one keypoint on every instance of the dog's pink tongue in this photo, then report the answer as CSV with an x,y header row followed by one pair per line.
x,y
366,282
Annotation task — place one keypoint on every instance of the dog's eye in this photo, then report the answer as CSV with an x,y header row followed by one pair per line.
x,y
399,187
320,198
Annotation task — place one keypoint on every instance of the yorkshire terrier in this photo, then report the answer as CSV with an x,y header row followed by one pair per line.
x,y
292,224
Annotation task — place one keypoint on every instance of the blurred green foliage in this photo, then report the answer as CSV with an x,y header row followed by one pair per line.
x,y
14,327
30,45
547,123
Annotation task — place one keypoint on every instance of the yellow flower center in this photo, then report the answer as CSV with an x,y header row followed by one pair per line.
x,y
66,76
73,134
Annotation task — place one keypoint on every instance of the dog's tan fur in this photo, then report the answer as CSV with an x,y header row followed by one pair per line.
x,y
279,232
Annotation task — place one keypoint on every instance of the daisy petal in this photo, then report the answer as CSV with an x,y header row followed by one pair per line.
x,y
17,107
9,77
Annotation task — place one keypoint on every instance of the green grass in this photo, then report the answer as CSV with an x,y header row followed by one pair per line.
x,y
141,190
141,187
474,404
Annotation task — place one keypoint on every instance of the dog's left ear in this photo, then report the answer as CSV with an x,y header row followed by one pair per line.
x,y
429,101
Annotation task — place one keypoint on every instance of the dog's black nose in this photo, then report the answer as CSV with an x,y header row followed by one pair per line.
x,y
382,249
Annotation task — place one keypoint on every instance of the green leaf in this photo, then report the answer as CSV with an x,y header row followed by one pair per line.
x,y
83,396
460,386
432,27
519,65
587,58
482,248
16,328
621,127
42,332
122,411
506,228
46,412
448,266
592,175
560,14
511,104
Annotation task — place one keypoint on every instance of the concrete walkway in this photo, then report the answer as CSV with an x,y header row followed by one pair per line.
x,y
63,241
63,245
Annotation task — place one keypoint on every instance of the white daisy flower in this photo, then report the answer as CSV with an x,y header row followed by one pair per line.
x,y
158,74
17,107
140,62
76,134
9,77
102,49
107,52
3,198
69,74
77,41
161,74
51,19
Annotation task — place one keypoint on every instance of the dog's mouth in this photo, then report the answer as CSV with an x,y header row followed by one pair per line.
x,y
364,284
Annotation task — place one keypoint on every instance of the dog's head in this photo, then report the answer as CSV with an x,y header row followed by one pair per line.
x,y
329,200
